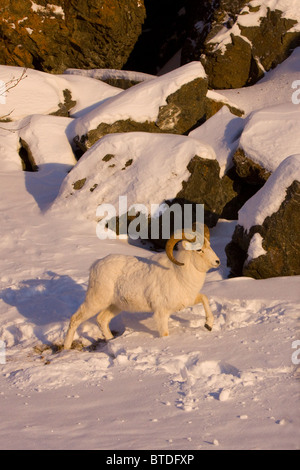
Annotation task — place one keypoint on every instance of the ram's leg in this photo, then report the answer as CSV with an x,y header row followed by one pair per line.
x,y
84,312
162,319
208,313
104,318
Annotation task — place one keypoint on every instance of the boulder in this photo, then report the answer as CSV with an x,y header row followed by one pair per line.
x,y
205,186
74,33
266,241
28,91
148,169
222,132
35,140
40,137
39,145
249,170
237,41
269,136
172,103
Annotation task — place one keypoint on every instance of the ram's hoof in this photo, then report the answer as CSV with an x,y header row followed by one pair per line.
x,y
209,328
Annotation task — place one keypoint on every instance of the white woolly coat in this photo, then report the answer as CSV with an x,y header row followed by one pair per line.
x,y
145,284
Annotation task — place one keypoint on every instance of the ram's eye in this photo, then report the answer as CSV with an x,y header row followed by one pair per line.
x,y
200,250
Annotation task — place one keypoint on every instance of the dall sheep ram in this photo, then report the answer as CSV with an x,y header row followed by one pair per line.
x,y
161,284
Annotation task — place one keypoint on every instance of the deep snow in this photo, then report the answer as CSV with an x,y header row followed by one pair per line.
x,y
234,388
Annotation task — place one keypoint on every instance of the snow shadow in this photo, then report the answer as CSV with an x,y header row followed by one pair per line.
x,y
42,301
44,184
138,322
234,129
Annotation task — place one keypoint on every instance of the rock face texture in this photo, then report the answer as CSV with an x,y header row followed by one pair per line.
x,y
238,40
204,186
266,241
69,33
251,172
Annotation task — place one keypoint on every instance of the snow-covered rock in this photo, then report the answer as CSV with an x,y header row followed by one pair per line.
x,y
147,168
172,103
43,138
238,41
266,240
275,88
33,92
269,137
46,139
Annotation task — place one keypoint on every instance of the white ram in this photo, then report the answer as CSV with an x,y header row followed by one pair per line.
x,y
160,284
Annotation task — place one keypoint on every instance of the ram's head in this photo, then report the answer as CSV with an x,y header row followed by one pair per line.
x,y
203,251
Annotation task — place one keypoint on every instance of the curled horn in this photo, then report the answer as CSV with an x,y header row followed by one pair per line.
x,y
170,247
173,241
206,232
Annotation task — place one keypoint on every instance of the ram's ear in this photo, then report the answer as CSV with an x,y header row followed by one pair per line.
x,y
170,247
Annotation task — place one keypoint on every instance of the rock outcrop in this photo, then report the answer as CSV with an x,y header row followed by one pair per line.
x,y
266,241
149,169
204,186
262,147
173,103
238,41
73,33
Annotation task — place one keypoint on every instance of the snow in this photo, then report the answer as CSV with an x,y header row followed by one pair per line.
x,y
105,74
37,129
269,198
40,92
9,146
87,92
255,247
262,138
222,132
233,388
36,93
138,157
49,8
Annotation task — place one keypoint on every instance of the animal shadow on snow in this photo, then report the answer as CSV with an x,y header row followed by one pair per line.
x,y
42,301
53,299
